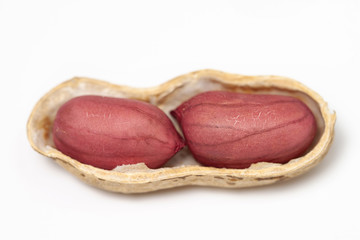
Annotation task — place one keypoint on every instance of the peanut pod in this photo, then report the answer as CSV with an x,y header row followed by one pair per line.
x,y
182,169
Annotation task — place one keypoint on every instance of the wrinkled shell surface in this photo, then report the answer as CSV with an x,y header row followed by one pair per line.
x,y
181,169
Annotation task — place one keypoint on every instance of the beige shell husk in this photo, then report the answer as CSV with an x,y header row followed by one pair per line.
x,y
182,169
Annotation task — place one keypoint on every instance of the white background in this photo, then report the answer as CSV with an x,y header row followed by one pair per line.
x,y
145,43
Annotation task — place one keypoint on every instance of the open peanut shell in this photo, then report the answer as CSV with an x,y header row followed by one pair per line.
x,y
182,169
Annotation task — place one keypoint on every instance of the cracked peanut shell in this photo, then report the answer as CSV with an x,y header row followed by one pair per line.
x,y
182,169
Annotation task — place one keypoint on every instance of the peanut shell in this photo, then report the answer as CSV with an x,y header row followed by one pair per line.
x,y
182,169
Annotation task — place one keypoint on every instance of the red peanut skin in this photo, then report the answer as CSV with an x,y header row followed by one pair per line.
x,y
107,132
234,130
